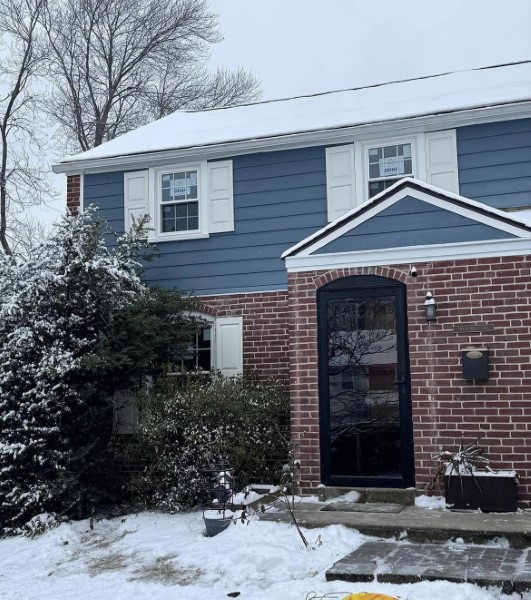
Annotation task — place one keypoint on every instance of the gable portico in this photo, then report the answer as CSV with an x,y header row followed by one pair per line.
x,y
481,284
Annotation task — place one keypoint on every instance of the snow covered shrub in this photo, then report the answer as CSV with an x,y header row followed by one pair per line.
x,y
52,308
39,524
192,428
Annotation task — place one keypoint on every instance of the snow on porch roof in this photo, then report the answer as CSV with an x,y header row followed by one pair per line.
x,y
487,86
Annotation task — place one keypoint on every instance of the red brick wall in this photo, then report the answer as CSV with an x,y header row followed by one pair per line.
x,y
446,408
73,193
265,328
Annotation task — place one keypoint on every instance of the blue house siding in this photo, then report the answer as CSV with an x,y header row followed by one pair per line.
x,y
279,199
412,222
495,163
106,190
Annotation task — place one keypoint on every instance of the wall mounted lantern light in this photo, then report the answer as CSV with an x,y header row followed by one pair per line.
x,y
430,307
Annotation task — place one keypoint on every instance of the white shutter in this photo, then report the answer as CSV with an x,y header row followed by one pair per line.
x,y
229,345
441,160
220,196
135,197
340,180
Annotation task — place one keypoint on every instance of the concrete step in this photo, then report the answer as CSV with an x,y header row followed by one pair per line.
x,y
380,495
399,562
419,524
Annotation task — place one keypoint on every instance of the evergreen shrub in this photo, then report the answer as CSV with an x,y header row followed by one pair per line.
x,y
191,428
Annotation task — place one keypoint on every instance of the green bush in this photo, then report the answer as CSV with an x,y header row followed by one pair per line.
x,y
240,420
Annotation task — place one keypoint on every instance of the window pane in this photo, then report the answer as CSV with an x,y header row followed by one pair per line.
x,y
166,194
193,209
178,186
375,187
193,223
168,225
181,210
390,151
374,171
203,360
375,154
181,224
405,150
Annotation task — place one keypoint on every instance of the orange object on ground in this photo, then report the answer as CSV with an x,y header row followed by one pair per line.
x,y
368,596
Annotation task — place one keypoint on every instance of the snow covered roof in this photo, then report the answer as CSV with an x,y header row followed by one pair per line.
x,y
489,86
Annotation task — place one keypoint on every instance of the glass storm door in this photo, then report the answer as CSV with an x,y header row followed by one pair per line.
x,y
366,432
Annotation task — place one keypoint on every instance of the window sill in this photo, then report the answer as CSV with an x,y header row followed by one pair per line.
x,y
175,237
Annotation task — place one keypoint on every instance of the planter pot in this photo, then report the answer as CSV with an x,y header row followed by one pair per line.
x,y
487,492
216,523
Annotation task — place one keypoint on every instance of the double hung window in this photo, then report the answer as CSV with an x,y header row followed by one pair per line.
x,y
179,206
388,164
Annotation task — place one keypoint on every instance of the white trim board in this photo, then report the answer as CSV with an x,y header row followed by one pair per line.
x,y
470,209
410,254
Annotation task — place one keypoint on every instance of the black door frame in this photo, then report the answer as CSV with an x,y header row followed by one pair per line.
x,y
367,285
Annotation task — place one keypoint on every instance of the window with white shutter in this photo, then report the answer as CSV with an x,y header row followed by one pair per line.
x,y
191,200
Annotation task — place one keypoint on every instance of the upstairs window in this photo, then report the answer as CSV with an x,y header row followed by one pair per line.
x,y
179,201
388,164
183,201
362,169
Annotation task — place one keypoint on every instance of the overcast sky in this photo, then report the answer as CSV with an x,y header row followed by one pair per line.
x,y
304,46
298,47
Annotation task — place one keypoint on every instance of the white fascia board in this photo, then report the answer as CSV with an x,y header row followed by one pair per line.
x,y
492,219
340,135
409,254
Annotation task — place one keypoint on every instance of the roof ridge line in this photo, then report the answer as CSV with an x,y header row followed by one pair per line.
x,y
363,87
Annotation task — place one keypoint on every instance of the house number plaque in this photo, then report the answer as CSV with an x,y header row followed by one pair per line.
x,y
473,328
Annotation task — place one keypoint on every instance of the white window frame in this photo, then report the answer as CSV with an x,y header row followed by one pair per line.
x,y
155,202
361,151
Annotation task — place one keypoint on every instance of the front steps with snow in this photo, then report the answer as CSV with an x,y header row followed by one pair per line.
x,y
418,524
399,562
428,545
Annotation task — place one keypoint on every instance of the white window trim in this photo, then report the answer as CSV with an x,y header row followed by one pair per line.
x,y
155,204
361,151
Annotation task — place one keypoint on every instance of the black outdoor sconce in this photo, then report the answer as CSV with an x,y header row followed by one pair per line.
x,y
430,307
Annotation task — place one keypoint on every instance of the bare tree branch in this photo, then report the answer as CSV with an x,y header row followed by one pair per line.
x,y
20,182
121,63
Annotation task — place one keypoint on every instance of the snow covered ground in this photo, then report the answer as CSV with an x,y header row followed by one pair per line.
x,y
156,556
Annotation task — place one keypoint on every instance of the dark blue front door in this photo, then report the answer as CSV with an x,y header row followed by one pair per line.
x,y
366,432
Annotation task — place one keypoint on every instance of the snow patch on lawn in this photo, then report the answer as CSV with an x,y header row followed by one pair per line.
x,y
156,556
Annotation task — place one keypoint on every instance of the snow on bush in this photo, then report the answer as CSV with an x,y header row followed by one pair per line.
x,y
52,307
239,420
